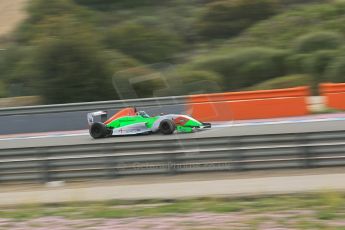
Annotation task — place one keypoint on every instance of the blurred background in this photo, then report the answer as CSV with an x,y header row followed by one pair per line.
x,y
62,51
266,163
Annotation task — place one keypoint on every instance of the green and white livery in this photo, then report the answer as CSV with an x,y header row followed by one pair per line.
x,y
130,122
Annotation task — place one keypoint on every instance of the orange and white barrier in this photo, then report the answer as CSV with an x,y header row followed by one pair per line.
x,y
334,95
249,104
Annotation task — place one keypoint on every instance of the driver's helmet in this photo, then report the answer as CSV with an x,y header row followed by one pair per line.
x,y
143,114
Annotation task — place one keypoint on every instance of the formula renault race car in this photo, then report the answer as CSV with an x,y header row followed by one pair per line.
x,y
129,121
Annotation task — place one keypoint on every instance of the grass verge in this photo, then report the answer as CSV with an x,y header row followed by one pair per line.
x,y
321,206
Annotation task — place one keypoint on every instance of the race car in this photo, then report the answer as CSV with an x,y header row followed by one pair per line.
x,y
129,121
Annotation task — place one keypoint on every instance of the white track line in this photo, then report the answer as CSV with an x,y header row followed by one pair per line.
x,y
42,136
276,122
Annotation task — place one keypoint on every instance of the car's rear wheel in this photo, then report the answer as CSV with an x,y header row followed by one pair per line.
x,y
167,127
98,130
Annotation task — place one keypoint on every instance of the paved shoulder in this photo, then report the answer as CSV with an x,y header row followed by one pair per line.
x,y
182,189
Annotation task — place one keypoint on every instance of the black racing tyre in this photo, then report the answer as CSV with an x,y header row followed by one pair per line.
x,y
167,127
98,130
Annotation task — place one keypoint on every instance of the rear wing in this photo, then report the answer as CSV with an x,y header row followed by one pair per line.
x,y
91,117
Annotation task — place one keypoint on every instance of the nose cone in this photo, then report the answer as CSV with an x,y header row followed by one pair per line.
x,y
193,123
187,121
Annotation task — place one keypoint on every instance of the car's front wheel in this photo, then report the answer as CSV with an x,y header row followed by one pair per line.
x,y
98,130
167,127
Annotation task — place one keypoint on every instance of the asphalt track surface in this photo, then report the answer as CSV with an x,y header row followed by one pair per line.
x,y
290,125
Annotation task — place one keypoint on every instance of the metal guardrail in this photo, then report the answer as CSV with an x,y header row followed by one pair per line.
x,y
90,106
112,160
